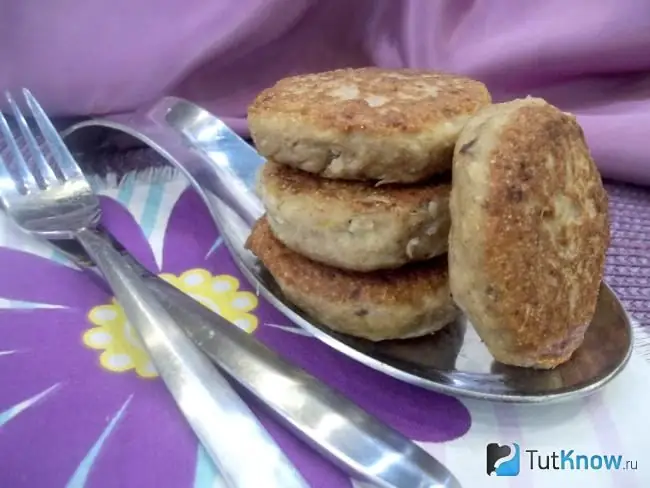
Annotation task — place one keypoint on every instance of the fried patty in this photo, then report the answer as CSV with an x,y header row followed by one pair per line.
x,y
367,123
355,225
529,232
408,302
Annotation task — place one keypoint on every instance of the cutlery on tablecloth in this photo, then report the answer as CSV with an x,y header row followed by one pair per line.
x,y
359,443
356,441
51,198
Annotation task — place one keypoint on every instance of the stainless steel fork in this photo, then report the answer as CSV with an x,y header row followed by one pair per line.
x,y
51,198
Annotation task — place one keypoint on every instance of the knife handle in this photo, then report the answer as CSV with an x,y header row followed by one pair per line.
x,y
231,434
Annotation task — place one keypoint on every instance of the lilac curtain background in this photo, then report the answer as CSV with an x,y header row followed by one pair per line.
x,y
589,57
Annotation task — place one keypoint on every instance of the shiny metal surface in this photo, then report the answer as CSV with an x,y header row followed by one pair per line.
x,y
453,361
359,443
336,427
56,202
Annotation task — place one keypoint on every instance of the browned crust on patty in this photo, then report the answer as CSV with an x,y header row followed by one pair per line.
x,y
355,225
356,196
543,230
416,98
387,126
410,301
406,284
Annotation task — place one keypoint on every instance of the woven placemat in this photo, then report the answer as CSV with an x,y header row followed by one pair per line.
x,y
628,261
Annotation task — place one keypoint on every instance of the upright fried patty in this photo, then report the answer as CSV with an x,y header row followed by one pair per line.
x,y
529,231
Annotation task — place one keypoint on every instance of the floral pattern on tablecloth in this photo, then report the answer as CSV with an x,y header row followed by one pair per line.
x,y
81,404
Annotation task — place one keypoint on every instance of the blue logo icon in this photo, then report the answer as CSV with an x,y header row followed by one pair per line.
x,y
502,460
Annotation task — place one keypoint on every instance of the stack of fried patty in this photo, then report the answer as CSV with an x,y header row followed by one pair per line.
x,y
356,190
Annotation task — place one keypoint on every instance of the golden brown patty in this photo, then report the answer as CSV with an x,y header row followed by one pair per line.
x,y
408,302
355,225
529,232
365,124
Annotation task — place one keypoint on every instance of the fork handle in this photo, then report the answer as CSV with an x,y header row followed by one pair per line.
x,y
242,449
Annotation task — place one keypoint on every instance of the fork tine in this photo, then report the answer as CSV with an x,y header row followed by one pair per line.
x,y
7,183
26,178
43,169
61,154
